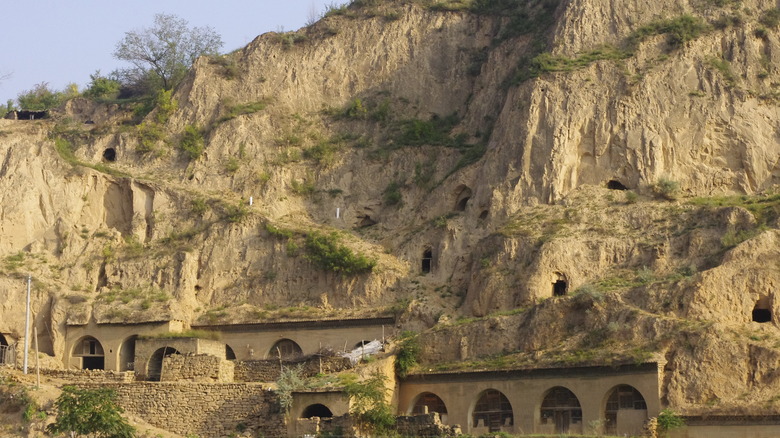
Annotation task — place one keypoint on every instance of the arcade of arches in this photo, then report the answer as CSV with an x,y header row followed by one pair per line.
x,y
561,401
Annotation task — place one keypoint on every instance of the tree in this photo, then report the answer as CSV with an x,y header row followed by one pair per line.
x,y
90,412
163,53
42,98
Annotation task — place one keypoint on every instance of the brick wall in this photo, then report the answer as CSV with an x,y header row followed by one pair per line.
x,y
202,409
196,368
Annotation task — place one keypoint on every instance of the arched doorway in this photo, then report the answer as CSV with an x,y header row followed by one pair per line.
x,y
561,409
625,412
229,353
285,349
493,411
155,367
91,353
317,410
127,354
428,402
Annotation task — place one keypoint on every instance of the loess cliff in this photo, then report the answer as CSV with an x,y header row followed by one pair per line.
x,y
589,181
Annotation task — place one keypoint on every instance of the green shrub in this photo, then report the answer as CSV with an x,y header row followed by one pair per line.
x,y
355,110
770,18
101,87
631,197
243,109
392,194
435,132
232,165
368,403
324,152
408,353
236,213
166,105
279,233
302,188
679,30
192,142
199,206
724,67
149,134
667,188
40,98
326,251
669,420
290,380
90,412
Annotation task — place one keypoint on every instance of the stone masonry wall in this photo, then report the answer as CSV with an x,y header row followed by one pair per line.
x,y
196,368
269,370
89,376
206,410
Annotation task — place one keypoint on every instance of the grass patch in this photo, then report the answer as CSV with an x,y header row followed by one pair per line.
x,y
243,109
326,251
192,142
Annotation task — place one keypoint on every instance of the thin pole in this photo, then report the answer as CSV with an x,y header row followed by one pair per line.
x,y
27,324
37,364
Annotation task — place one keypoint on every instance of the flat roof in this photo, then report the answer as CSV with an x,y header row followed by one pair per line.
x,y
302,324
446,376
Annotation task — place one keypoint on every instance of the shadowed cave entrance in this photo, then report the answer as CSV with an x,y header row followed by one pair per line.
x,y
317,410
762,312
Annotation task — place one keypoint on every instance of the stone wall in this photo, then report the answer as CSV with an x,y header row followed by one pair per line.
x,y
89,376
196,368
268,370
206,410
424,425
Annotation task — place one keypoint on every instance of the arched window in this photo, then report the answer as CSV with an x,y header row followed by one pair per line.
x,y
493,411
625,412
428,402
286,349
155,368
90,351
317,410
561,408
127,354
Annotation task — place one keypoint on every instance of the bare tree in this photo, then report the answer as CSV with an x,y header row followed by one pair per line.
x,y
165,51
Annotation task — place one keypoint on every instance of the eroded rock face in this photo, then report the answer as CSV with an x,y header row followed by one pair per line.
x,y
524,226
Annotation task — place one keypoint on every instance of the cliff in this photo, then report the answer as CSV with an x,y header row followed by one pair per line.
x,y
479,141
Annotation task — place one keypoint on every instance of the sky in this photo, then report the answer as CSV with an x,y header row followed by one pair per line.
x,y
64,41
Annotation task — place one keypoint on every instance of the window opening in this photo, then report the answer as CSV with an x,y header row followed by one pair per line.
x,y
285,348
493,410
561,408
